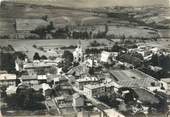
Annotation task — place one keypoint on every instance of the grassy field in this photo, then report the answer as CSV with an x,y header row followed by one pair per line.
x,y
162,44
137,32
27,45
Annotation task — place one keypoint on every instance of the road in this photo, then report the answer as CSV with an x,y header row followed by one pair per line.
x,y
52,105
101,106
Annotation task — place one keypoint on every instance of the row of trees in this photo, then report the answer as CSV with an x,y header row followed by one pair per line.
x,y
136,61
25,98
156,74
7,48
161,61
42,31
114,48
38,57
50,31
5,37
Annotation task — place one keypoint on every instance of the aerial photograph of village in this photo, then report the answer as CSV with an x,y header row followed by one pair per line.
x,y
84,58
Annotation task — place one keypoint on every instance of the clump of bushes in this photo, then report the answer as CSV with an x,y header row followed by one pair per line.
x,y
69,47
5,37
7,48
96,44
40,48
35,46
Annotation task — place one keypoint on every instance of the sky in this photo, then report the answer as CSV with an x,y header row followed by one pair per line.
x,y
97,3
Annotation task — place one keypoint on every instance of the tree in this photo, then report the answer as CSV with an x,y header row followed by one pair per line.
x,y
43,57
91,71
138,55
25,98
154,60
41,31
7,62
162,60
3,91
66,66
20,55
50,27
17,81
123,38
117,48
106,29
35,46
36,56
45,18
95,43
68,59
68,56
53,70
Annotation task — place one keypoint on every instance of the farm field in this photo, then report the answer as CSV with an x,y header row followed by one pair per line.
x,y
68,16
132,32
162,44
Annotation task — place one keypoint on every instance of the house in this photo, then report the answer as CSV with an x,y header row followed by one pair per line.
x,y
64,99
11,90
42,78
111,87
79,70
167,84
78,101
90,114
89,62
94,90
111,112
87,80
58,80
60,99
35,68
36,65
18,65
105,56
29,80
46,89
98,90
7,79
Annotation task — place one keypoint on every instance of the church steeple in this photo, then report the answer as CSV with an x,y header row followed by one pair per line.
x,y
78,53
79,44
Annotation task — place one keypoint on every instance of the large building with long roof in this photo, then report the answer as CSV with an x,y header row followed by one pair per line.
x,y
136,78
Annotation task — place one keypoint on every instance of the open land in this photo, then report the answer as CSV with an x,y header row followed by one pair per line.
x,y
133,22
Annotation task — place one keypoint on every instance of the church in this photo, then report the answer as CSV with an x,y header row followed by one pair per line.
x,y
78,53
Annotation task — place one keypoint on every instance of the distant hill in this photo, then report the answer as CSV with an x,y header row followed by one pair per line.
x,y
62,12
96,3
11,11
